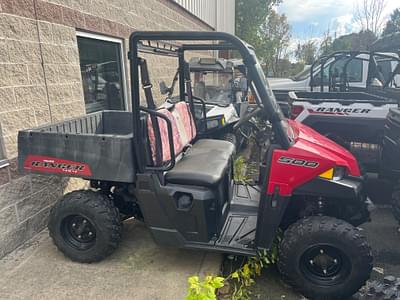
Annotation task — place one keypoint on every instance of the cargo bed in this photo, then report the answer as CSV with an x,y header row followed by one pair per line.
x,y
97,146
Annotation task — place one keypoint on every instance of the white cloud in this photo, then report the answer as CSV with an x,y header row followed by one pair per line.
x,y
337,14
343,25
304,10
310,19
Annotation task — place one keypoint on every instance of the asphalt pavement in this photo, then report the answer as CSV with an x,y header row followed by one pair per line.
x,y
139,270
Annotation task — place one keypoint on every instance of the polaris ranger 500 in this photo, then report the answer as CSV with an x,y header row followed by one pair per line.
x,y
149,164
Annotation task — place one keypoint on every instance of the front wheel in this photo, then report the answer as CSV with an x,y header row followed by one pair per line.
x,y
85,226
324,258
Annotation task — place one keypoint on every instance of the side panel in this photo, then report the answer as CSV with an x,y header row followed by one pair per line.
x,y
177,214
271,208
107,158
271,211
292,168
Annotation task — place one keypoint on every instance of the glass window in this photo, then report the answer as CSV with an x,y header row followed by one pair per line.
x,y
101,70
213,86
354,71
317,75
385,68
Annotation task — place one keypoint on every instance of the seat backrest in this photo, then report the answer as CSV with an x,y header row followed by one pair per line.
x,y
183,131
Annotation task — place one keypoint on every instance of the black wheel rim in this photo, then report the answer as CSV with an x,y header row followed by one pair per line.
x,y
79,232
325,265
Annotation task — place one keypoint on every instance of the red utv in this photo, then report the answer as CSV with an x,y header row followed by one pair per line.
x,y
149,164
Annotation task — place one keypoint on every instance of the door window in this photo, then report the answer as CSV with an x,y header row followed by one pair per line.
x,y
102,74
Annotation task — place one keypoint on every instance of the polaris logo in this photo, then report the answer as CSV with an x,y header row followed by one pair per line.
x,y
298,162
343,110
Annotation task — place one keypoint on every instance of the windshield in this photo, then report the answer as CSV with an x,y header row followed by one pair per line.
x,y
213,87
303,75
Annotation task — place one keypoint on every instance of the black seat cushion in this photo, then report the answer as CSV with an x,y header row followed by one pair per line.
x,y
204,164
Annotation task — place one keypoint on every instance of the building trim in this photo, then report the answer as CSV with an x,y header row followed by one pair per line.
x,y
178,7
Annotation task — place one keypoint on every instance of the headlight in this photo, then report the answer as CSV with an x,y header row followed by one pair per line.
x,y
212,124
216,122
336,173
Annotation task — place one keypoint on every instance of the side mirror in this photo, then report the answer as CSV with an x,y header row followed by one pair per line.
x,y
163,88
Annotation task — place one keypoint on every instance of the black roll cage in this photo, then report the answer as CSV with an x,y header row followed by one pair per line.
x,y
349,56
161,43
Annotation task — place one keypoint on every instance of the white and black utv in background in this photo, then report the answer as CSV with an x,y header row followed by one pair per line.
x,y
343,71
351,113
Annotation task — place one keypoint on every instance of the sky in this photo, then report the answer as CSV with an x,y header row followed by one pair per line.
x,y
312,18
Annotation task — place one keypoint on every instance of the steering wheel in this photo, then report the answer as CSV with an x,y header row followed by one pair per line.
x,y
247,117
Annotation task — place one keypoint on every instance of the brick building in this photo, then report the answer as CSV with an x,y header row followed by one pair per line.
x,y
64,58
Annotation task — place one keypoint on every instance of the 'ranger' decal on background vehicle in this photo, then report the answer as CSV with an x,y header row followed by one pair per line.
x,y
340,110
298,162
55,165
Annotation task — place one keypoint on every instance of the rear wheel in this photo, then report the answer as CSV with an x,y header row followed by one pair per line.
x,y
324,258
85,226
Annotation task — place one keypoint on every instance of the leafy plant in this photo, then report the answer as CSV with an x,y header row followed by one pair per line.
x,y
239,170
238,281
243,278
204,290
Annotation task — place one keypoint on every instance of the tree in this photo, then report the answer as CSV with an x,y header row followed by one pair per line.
x,y
326,44
275,37
250,15
370,15
306,53
353,41
393,25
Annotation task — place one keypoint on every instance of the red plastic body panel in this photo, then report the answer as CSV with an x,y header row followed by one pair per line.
x,y
311,155
56,165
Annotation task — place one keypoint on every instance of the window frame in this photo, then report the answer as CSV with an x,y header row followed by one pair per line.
x,y
121,43
4,162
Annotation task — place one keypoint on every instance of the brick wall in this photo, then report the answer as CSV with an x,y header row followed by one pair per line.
x,y
40,82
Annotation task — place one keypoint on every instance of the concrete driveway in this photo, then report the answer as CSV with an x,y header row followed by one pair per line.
x,y
138,270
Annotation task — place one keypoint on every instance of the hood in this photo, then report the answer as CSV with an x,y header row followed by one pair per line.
x,y
311,141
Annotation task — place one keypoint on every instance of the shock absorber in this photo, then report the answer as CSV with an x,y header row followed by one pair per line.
x,y
320,207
